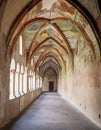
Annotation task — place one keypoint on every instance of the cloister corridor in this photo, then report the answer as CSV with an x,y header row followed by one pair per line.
x,y
50,64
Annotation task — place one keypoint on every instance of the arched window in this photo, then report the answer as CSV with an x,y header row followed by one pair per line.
x,y
34,80
31,61
29,81
21,80
20,45
25,81
12,66
12,75
40,82
17,80
37,81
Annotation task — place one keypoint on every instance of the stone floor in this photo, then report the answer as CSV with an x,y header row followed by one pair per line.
x,y
51,112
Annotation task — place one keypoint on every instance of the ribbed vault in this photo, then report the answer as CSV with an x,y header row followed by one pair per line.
x,y
54,32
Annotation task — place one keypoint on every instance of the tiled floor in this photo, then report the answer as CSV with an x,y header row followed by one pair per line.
x,y
51,112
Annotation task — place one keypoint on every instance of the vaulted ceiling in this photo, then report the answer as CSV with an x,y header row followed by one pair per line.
x,y
54,31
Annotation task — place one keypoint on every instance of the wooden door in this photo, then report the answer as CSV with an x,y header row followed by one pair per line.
x,y
51,86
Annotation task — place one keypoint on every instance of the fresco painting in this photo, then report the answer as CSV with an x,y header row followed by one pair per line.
x,y
83,51
75,38
30,31
80,20
63,8
94,41
66,26
69,30
58,8
96,76
50,43
81,43
49,31
97,51
43,35
35,11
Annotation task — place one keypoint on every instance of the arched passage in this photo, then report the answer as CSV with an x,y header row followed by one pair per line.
x,y
50,80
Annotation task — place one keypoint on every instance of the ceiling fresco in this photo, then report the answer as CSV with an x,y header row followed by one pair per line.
x,y
53,53
57,30
48,64
50,58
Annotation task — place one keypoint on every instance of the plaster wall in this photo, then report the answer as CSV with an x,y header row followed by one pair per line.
x,y
91,6
4,81
83,88
8,17
20,103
